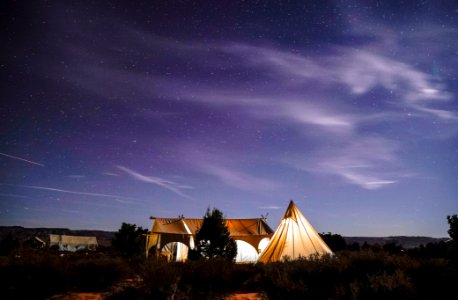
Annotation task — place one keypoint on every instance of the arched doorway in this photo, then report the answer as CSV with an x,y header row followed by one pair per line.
x,y
175,251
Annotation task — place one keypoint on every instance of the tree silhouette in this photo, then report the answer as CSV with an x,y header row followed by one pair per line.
x,y
213,238
130,240
335,241
453,232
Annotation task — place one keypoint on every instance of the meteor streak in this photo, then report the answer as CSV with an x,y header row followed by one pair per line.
x,y
23,159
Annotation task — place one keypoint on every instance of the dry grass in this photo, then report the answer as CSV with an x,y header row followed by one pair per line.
x,y
350,275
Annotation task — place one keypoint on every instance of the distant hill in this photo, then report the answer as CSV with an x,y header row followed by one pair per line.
x,y
405,241
104,237
20,233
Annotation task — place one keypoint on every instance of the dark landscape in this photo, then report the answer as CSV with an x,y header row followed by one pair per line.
x,y
362,268
104,237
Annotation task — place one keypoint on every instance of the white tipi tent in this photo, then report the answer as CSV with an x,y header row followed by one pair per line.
x,y
294,238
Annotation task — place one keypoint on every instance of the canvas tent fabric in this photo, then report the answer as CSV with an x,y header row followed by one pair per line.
x,y
183,230
73,243
294,238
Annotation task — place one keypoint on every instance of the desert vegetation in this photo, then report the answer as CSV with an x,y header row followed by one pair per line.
x,y
372,273
354,272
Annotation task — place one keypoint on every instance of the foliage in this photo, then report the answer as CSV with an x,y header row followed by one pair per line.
x,y
213,239
348,275
365,274
392,247
8,244
335,241
38,274
354,246
130,240
199,279
374,272
430,250
453,231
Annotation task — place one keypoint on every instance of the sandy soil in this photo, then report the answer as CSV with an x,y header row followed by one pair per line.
x,y
99,296
249,296
78,296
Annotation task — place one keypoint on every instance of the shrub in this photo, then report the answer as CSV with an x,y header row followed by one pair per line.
x,y
202,279
130,240
352,275
38,274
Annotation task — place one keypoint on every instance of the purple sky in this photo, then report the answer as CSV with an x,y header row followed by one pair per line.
x,y
112,112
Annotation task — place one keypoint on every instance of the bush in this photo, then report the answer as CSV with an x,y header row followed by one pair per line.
x,y
202,279
39,274
130,240
352,275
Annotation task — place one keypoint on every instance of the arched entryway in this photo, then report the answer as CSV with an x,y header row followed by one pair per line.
x,y
175,251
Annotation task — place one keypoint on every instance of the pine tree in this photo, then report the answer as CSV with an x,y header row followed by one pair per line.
x,y
453,232
130,240
213,238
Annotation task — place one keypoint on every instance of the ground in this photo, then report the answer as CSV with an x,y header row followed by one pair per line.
x,y
99,296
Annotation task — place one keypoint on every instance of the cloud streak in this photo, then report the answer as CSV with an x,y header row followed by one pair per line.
x,y
369,163
360,71
164,183
295,110
120,199
271,207
239,180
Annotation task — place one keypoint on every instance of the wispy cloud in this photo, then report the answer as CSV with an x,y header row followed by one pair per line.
x,y
167,184
360,71
110,174
239,180
368,163
341,94
291,108
271,207
22,159
308,114
367,179
120,199
296,80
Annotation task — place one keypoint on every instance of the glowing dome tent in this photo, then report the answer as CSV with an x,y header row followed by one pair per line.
x,y
173,237
295,237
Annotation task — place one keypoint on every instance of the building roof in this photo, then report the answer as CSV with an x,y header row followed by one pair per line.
x,y
236,227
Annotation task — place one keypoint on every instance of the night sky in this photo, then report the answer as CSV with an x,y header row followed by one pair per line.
x,y
115,111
